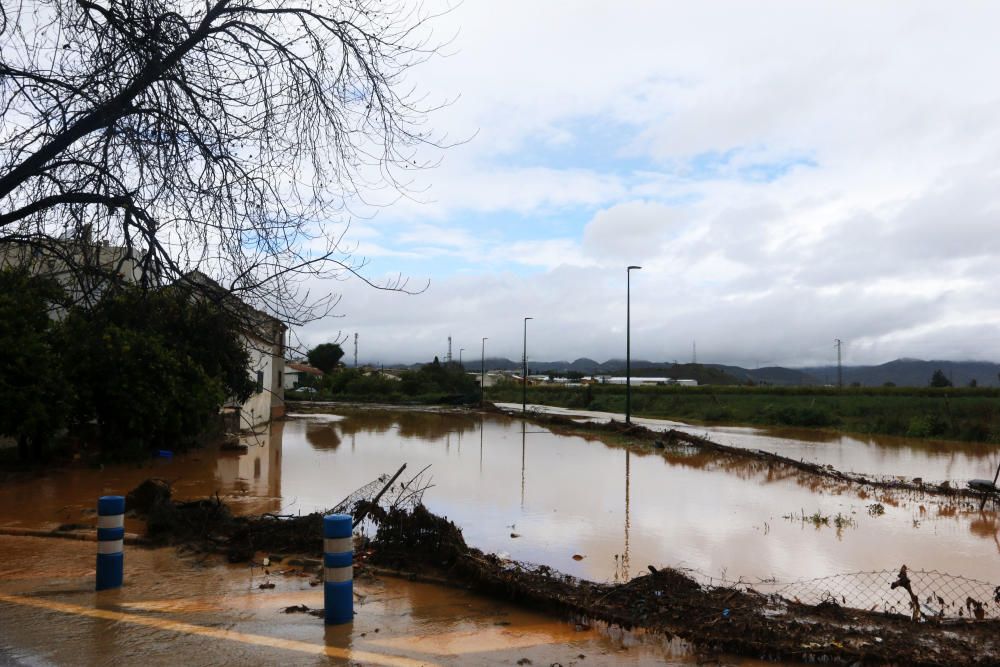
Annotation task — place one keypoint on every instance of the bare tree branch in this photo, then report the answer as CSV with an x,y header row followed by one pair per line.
x,y
226,136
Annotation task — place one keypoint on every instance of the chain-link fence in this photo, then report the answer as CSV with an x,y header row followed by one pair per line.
x,y
914,593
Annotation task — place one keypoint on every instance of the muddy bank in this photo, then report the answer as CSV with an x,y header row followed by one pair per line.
x,y
715,619
672,438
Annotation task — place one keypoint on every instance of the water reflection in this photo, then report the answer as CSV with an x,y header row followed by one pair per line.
x,y
679,506
250,481
411,424
987,526
523,447
255,474
628,516
931,460
324,435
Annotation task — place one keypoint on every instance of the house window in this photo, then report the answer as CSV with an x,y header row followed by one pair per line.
x,y
260,381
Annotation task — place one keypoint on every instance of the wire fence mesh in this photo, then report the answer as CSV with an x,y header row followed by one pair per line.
x,y
935,595
915,593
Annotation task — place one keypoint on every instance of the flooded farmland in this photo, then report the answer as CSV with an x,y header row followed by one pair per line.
x,y
579,505
875,455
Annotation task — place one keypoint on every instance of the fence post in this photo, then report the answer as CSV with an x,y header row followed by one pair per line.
x,y
110,541
338,571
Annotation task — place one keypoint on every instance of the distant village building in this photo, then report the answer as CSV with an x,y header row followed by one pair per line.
x,y
647,381
82,268
637,380
490,380
297,372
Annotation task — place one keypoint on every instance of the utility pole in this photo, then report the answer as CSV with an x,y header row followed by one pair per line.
x,y
628,343
355,349
840,371
694,353
524,372
448,359
460,350
482,375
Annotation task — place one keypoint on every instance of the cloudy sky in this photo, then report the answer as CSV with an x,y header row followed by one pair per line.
x,y
786,173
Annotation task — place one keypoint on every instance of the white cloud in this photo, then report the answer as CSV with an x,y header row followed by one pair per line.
x,y
786,174
631,231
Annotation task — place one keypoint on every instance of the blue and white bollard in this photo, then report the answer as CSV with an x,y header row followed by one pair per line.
x,y
110,541
338,570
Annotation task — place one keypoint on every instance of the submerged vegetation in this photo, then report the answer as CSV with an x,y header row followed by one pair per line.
x,y
818,519
970,414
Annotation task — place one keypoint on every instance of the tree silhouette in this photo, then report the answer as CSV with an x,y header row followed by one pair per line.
x,y
225,136
325,356
939,379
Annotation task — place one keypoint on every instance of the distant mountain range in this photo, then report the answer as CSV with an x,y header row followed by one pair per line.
x,y
901,372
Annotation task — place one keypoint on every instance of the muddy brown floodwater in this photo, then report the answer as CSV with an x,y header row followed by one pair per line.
x,y
873,455
182,611
518,489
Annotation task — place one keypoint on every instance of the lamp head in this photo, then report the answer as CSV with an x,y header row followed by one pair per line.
x,y
633,267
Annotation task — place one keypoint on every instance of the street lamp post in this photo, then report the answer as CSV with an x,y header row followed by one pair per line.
x,y
628,343
524,375
482,376
460,358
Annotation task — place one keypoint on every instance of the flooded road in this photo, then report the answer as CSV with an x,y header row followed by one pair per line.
x,y
881,456
544,498
179,611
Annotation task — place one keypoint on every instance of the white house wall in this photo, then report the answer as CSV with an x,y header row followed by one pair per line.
x,y
256,410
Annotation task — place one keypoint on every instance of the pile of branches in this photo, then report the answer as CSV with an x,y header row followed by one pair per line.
x,y
207,525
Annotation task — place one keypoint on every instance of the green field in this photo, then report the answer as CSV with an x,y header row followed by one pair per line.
x,y
953,414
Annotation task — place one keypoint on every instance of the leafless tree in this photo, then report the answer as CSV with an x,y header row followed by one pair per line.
x,y
228,136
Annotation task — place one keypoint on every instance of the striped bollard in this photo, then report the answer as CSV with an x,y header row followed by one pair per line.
x,y
110,541
338,572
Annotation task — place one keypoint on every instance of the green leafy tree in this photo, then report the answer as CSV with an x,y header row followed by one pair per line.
x,y
939,379
32,395
437,378
152,369
325,356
